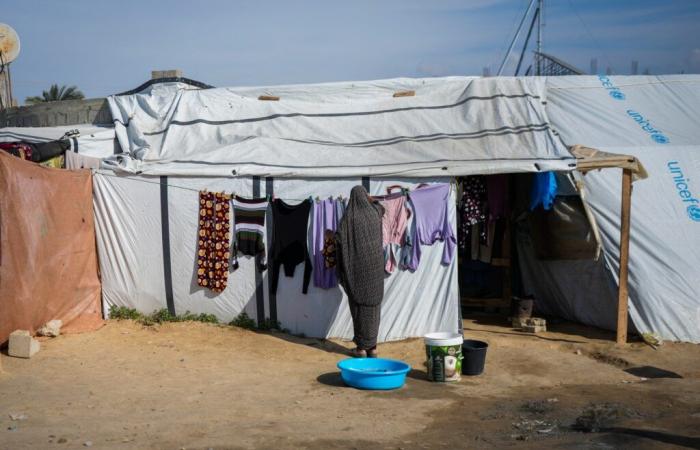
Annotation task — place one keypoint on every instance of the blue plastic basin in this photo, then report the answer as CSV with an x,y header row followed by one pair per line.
x,y
373,373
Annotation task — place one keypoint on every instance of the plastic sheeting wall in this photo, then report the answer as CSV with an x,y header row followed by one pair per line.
x,y
48,261
129,236
580,290
654,118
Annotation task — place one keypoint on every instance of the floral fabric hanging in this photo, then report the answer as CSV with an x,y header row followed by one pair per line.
x,y
472,210
214,237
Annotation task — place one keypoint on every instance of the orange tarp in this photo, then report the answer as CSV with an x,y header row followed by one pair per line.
x,y
48,258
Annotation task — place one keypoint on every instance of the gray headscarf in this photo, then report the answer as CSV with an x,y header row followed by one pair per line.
x,y
360,257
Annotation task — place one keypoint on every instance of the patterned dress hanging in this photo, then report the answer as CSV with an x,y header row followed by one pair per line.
x,y
472,210
213,246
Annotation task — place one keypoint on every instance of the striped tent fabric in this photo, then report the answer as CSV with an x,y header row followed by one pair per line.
x,y
249,229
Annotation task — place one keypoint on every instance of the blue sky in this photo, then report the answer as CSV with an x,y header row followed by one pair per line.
x,y
105,47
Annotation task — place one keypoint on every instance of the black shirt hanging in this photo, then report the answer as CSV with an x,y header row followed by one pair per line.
x,y
289,237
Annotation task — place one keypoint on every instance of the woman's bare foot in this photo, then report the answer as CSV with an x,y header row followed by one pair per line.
x,y
372,352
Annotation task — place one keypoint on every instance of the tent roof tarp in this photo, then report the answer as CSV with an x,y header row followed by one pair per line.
x,y
451,126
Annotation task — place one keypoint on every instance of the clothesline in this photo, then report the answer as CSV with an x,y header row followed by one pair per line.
x,y
233,193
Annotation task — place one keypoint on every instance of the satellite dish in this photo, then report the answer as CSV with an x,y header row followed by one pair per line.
x,y
9,44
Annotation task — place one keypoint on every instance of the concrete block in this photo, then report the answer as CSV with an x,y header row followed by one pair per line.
x,y
518,322
174,73
535,325
22,344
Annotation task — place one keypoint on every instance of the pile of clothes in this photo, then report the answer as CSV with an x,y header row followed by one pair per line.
x,y
49,153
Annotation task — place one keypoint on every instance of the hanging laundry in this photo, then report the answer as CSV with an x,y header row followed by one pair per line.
x,y
329,245
329,250
213,250
289,241
430,205
472,211
498,207
327,214
409,239
394,222
498,196
544,190
249,229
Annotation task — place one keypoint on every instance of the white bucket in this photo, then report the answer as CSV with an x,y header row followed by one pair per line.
x,y
444,356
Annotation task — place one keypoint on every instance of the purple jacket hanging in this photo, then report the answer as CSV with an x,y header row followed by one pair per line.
x,y
327,214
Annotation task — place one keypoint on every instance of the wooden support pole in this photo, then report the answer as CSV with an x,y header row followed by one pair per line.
x,y
622,293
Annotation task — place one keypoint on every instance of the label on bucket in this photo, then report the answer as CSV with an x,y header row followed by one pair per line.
x,y
444,363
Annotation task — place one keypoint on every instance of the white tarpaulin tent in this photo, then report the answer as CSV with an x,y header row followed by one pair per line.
x,y
317,140
322,139
657,119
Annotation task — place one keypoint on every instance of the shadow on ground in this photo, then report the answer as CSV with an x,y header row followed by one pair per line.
x,y
652,372
320,344
658,436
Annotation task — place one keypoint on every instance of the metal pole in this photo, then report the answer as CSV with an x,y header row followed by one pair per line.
x,y
540,8
527,39
517,33
9,86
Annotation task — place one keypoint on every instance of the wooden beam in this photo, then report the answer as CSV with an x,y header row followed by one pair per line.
x,y
269,98
622,293
404,94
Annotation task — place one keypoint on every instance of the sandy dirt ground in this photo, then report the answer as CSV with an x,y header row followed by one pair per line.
x,y
200,386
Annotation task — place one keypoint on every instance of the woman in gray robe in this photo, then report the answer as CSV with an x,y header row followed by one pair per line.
x,y
360,266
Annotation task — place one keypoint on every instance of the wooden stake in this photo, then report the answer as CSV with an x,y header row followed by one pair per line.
x,y
622,293
269,98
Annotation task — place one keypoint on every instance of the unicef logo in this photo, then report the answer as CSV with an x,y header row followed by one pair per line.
x,y
659,138
694,212
617,95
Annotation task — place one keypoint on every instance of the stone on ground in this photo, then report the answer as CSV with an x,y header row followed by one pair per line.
x,y
22,344
52,328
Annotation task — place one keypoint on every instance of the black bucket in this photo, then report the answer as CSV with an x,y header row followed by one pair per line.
x,y
474,354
